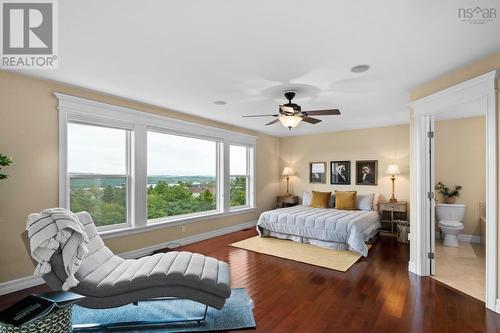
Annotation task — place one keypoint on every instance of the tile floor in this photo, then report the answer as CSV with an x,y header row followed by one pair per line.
x,y
462,267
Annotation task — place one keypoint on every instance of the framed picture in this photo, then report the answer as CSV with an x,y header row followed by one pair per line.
x,y
366,172
340,172
317,172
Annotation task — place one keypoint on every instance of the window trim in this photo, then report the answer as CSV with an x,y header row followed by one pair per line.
x,y
80,110
127,175
250,183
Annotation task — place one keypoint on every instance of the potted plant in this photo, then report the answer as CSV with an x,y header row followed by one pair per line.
x,y
449,196
4,161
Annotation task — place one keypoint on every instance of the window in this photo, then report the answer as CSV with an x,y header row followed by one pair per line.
x,y
182,175
239,176
133,170
98,172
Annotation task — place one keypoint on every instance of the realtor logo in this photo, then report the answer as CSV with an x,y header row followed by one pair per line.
x,y
29,34
477,15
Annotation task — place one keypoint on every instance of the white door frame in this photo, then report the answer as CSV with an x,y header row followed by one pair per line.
x,y
482,88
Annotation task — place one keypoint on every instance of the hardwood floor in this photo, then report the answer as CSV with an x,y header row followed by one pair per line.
x,y
376,295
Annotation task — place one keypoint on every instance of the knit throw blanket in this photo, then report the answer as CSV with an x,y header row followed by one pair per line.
x,y
53,229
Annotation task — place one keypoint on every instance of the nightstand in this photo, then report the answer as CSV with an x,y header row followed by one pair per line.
x,y
287,201
390,213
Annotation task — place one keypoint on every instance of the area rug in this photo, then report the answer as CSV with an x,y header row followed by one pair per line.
x,y
236,314
306,253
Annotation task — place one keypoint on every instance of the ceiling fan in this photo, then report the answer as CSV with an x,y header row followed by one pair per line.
x,y
291,114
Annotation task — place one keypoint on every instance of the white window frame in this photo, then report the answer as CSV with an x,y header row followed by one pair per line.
x,y
219,197
64,195
79,110
249,178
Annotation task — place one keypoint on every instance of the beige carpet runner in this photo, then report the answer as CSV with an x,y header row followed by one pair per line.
x,y
306,253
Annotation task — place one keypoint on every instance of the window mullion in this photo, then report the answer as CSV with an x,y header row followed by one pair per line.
x,y
247,178
220,176
251,176
139,176
64,191
128,185
227,177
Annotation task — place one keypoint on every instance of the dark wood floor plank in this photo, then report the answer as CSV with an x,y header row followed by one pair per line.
x,y
377,294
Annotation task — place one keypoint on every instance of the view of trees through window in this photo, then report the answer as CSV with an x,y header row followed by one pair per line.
x,y
97,167
103,198
181,174
238,175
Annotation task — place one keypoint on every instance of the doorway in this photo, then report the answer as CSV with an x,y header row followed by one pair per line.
x,y
479,91
459,182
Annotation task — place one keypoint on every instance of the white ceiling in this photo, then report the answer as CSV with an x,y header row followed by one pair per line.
x,y
183,55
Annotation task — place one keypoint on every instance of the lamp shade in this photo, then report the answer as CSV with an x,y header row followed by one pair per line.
x,y
290,121
392,169
287,171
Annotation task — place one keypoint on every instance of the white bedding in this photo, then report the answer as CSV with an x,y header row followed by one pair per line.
x,y
320,225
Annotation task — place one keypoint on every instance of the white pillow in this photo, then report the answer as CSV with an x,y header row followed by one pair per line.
x,y
331,202
364,201
306,198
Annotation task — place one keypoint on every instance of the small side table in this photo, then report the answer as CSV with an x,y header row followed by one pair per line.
x,y
47,312
283,201
390,214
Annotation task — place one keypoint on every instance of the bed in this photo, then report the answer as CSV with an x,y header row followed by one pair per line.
x,y
325,227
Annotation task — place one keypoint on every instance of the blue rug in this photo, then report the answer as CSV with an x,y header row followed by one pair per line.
x,y
236,314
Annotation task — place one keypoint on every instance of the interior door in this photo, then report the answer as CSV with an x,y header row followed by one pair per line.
x,y
431,203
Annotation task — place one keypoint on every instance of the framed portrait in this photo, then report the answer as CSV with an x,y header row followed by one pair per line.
x,y
317,172
340,172
366,172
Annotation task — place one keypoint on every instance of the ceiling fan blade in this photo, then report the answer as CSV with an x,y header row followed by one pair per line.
x,y
331,112
310,120
273,122
261,115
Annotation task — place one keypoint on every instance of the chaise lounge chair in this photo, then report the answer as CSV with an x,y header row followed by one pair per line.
x,y
106,280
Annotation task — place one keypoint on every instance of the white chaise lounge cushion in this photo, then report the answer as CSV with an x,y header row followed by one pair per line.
x,y
117,276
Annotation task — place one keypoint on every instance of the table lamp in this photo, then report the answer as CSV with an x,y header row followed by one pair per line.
x,y
287,172
392,170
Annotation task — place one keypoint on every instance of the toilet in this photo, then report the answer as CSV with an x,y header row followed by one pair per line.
x,y
450,218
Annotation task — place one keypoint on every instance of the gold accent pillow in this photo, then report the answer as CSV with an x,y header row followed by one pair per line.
x,y
320,199
345,200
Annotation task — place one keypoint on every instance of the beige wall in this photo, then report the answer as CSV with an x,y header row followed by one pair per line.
x,y
460,159
385,144
28,132
468,71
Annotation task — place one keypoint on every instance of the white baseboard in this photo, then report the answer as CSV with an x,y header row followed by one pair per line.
x,y
411,267
469,238
31,281
19,284
497,306
188,240
465,238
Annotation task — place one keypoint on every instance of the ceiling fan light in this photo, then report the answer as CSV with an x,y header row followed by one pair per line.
x,y
290,121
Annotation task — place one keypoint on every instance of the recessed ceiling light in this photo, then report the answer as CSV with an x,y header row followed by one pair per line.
x,y
220,102
360,68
